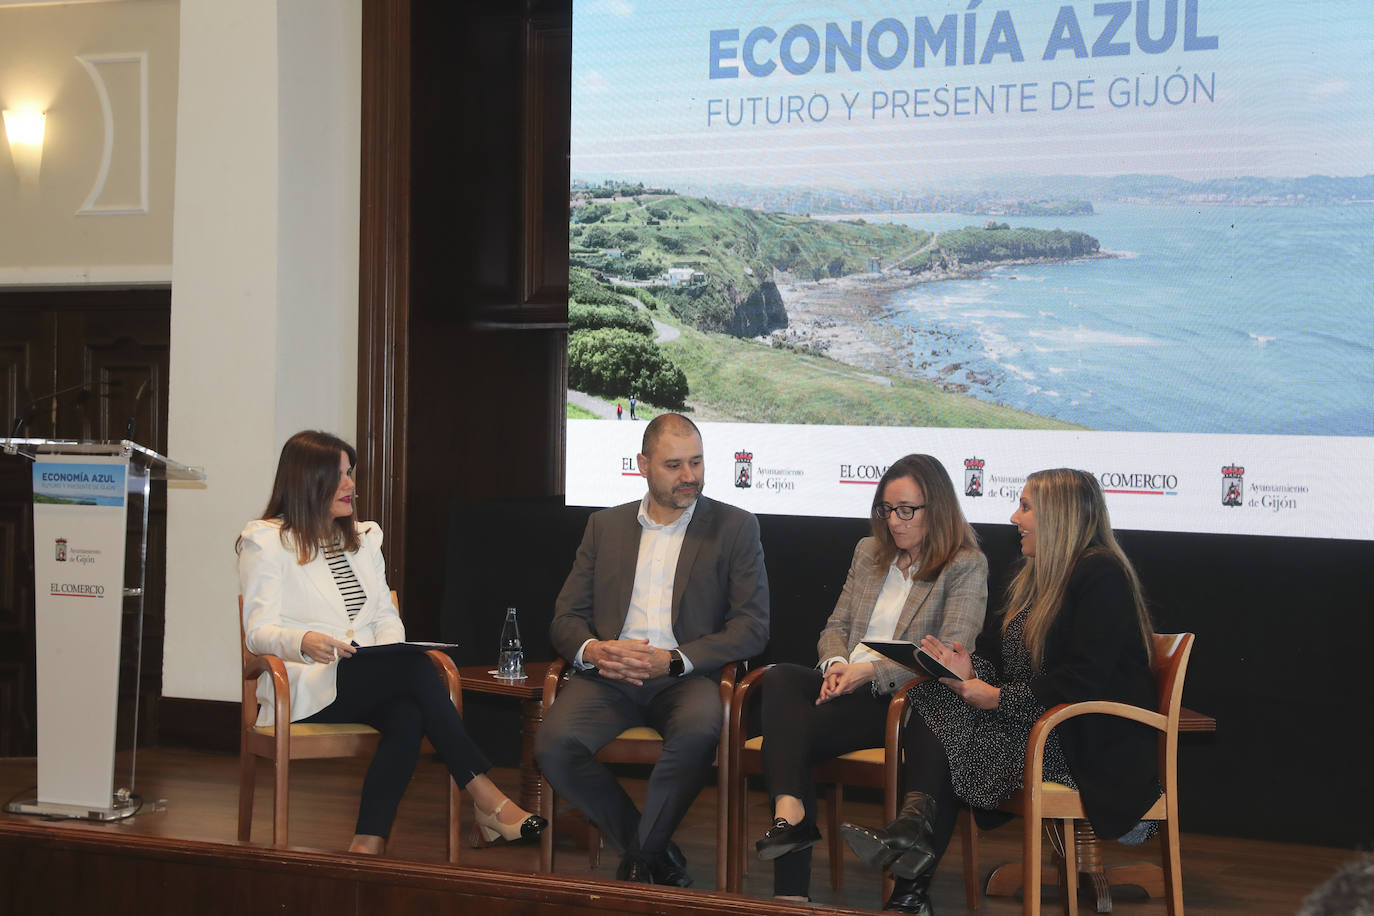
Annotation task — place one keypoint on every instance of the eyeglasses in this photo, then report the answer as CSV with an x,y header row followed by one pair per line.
x,y
905,513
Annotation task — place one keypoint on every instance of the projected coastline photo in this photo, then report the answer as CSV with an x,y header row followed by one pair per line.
x,y
988,310
841,243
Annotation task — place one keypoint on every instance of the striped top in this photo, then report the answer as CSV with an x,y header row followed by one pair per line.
x,y
353,595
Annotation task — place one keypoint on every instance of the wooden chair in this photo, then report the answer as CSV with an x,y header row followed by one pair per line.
x,y
877,767
640,745
309,741
1048,801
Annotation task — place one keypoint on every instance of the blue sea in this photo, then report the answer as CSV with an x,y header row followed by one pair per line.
x,y
1216,319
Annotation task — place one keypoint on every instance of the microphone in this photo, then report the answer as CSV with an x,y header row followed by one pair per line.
x,y
131,426
25,417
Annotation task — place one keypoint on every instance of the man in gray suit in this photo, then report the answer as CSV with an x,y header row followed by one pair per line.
x,y
663,593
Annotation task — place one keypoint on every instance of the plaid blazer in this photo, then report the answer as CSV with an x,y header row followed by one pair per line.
x,y
952,607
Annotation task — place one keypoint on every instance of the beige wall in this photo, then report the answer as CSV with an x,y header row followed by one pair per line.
x,y
254,110
264,288
43,237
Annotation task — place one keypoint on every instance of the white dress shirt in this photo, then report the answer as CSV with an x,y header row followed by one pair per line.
x,y
887,610
650,614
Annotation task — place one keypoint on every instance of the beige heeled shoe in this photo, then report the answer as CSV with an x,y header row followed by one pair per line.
x,y
487,828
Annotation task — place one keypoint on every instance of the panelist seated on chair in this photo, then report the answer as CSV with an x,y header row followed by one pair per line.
x,y
314,590
1074,628
663,593
919,573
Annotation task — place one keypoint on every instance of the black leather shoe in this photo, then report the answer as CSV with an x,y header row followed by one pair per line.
x,y
783,838
670,867
636,869
904,846
911,897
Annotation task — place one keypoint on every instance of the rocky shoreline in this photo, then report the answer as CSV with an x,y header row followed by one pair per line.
x,y
844,319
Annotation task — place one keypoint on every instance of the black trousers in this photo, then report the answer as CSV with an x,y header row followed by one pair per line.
x,y
402,696
925,768
797,735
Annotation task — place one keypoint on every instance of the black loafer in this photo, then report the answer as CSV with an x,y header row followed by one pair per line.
x,y
783,838
670,867
636,869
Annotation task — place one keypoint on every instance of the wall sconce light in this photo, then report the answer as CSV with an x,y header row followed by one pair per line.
x,y
25,132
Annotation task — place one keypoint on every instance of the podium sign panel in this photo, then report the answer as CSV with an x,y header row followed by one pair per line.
x,y
79,528
90,500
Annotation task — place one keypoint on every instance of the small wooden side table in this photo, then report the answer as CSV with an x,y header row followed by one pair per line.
x,y
1006,880
530,692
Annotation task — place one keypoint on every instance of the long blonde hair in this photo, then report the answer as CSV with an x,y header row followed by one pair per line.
x,y
1071,523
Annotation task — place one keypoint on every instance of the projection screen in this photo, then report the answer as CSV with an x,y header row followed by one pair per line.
x,y
1131,237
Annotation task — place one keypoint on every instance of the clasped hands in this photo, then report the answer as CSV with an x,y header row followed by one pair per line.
x,y
976,693
843,677
631,660
324,649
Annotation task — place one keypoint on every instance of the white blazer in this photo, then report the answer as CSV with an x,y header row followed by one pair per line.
x,y
283,600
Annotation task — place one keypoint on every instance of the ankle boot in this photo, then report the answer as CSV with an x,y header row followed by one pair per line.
x,y
904,846
911,896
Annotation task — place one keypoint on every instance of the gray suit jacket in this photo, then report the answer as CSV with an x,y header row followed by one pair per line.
x,y
952,608
720,587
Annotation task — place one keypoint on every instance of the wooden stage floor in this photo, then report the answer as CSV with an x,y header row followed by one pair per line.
x,y
1221,876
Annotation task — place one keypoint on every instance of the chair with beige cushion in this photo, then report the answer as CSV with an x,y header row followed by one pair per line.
x,y
311,741
1061,807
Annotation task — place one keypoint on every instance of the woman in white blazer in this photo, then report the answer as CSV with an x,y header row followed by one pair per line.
x,y
920,573
314,590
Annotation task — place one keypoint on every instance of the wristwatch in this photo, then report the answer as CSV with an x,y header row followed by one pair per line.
x,y
675,665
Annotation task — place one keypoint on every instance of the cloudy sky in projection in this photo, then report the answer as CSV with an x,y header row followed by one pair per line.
x,y
1267,89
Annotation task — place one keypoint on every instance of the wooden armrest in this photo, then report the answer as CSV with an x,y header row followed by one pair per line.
x,y
552,678
448,673
728,676
896,713
1040,731
739,702
253,667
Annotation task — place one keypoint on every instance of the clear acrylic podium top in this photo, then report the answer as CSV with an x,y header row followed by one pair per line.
x,y
158,467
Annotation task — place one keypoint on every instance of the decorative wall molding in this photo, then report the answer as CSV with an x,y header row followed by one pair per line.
x,y
77,275
91,62
10,4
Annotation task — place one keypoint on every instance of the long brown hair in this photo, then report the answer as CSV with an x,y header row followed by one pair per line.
x,y
1071,523
947,531
307,479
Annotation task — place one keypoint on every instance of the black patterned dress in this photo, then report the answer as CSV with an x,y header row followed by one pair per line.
x,y
986,748
1094,650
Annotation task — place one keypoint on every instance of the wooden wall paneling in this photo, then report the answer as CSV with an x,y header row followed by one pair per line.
x,y
14,529
26,373
384,274
116,347
82,340
547,102
476,398
18,738
27,362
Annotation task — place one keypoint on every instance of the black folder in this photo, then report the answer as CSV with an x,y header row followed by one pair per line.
x,y
910,655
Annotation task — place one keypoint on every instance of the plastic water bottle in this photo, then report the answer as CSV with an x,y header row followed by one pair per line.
x,y
511,662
